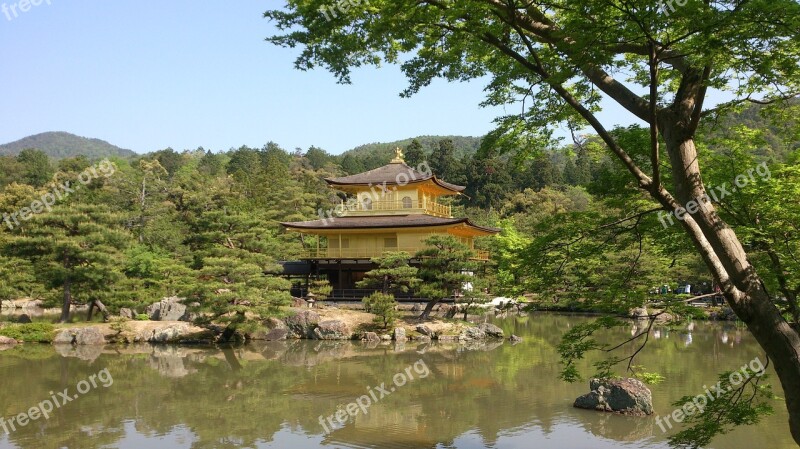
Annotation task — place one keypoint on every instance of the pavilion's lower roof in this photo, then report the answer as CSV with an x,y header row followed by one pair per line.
x,y
385,221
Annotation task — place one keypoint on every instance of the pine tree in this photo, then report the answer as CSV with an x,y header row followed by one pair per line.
x,y
444,266
74,248
391,275
238,286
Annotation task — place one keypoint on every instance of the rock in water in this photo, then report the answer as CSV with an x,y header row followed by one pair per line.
x,y
492,330
472,333
639,313
371,336
624,396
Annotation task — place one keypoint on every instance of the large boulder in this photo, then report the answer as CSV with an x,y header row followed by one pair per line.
x,y
425,330
624,396
155,332
302,324
492,330
7,341
399,334
332,330
371,337
472,333
174,333
273,330
639,313
168,309
126,313
80,336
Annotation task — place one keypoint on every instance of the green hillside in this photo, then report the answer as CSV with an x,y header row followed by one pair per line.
x,y
464,146
60,145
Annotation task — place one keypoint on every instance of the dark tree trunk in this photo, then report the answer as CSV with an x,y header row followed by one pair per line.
x,y
90,312
742,288
67,301
101,307
428,308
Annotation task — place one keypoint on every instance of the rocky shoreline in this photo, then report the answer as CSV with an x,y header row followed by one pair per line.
x,y
325,323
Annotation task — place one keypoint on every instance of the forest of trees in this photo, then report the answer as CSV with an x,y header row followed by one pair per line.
x,y
191,223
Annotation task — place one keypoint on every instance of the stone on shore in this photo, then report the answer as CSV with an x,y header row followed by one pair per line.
x,y
168,309
302,324
273,330
371,337
80,336
425,330
491,330
332,330
472,333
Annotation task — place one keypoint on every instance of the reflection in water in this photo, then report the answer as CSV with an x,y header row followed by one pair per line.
x,y
489,394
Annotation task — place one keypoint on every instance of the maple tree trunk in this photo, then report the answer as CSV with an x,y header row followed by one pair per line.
x,y
742,288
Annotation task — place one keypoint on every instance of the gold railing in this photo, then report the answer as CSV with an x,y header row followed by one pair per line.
x,y
431,207
368,253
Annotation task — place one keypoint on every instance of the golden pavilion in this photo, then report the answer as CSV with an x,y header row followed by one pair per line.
x,y
391,208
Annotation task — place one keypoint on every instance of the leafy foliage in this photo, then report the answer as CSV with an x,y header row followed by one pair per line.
x,y
733,404
383,306
30,332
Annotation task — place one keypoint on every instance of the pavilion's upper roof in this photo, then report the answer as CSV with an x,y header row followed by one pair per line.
x,y
389,221
394,173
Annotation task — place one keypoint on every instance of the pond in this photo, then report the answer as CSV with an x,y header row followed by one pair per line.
x,y
287,394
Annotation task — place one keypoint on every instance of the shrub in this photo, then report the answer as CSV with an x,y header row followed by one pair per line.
x,y
141,317
383,306
31,332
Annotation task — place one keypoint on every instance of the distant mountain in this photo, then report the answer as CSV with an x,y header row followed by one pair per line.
x,y
464,145
60,145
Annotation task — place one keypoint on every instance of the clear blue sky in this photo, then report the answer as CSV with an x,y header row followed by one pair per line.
x,y
150,75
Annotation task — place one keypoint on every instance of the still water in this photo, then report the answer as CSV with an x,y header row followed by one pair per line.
x,y
277,395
